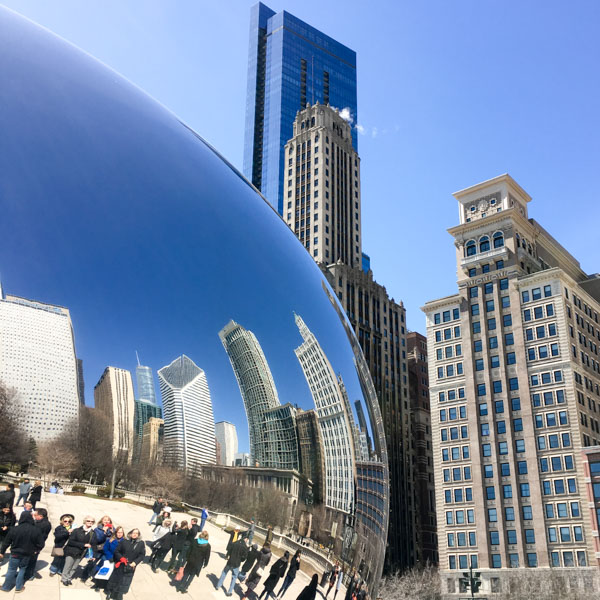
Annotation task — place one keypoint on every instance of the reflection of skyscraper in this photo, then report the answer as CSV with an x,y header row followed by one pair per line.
x,y
113,396
362,422
311,454
80,382
37,359
281,440
255,381
151,447
145,404
189,431
226,435
332,418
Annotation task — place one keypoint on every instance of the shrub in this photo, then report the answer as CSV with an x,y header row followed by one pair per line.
x,y
105,493
78,489
4,469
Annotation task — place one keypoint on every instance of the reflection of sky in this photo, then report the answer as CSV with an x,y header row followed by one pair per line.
x,y
147,236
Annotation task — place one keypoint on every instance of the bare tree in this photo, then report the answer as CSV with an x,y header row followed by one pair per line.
x,y
13,443
56,459
549,584
416,584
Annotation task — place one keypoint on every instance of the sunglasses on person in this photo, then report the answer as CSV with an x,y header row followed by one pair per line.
x,y
67,520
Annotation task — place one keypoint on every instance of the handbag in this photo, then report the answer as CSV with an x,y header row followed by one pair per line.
x,y
105,571
179,575
57,551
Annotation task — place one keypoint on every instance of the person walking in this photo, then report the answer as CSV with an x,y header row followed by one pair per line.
x,y
7,496
24,489
275,574
24,542
237,555
338,585
7,521
156,510
102,532
291,573
61,536
179,539
36,493
253,556
197,559
40,520
257,571
78,546
128,555
351,585
108,554
163,542
203,517
310,591
333,575
251,530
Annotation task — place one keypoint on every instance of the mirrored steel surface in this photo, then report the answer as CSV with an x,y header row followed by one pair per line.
x,y
112,207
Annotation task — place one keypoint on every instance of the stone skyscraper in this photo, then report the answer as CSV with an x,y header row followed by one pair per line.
x,y
113,397
514,375
322,186
334,422
290,64
189,429
37,359
255,381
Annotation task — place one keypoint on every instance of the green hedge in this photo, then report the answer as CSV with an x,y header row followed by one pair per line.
x,y
78,489
104,492
4,468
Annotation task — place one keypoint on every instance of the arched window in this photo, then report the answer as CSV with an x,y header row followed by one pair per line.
x,y
484,244
471,248
312,122
498,239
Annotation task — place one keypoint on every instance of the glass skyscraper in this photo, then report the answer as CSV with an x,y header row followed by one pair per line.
x,y
290,64
145,404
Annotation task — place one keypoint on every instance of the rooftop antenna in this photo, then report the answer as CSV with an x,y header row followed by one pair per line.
x,y
138,358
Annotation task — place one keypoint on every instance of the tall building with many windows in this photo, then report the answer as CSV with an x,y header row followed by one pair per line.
x,y
37,360
145,404
334,422
290,64
322,186
255,381
113,397
226,435
189,429
514,375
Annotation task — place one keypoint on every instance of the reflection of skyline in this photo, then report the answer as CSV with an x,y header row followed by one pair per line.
x,y
332,418
189,434
255,381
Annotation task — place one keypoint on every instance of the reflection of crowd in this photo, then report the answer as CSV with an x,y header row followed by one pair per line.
x,y
105,557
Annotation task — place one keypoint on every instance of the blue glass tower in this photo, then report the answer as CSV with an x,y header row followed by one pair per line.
x,y
290,64
145,404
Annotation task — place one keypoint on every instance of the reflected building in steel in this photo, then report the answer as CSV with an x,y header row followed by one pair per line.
x,y
145,404
281,439
227,439
255,381
311,453
332,418
113,397
189,430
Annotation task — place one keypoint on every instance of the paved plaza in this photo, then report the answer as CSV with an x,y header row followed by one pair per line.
x,y
146,584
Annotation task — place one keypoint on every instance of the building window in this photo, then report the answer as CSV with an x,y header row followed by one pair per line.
x,y
484,244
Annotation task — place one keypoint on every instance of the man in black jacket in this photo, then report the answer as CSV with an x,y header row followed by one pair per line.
x,y
7,496
156,510
40,520
25,541
237,555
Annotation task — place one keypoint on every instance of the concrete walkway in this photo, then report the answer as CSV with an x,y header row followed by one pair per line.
x,y
146,584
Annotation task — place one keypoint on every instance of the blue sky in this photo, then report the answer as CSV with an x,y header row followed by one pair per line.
x,y
449,94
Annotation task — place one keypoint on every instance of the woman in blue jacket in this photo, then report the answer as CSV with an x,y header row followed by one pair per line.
x,y
108,553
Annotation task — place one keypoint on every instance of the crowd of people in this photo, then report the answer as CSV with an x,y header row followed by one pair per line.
x,y
105,557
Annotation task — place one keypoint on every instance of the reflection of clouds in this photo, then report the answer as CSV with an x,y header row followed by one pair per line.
x,y
255,381
189,430
333,420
